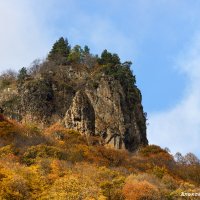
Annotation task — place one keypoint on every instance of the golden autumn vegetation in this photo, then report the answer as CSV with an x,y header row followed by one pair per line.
x,y
57,163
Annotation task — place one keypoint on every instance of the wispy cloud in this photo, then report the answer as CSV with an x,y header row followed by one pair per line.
x,y
179,127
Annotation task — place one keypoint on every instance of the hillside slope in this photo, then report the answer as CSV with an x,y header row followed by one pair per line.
x,y
58,163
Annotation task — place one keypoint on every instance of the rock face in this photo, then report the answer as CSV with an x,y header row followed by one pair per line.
x,y
81,115
99,101
104,112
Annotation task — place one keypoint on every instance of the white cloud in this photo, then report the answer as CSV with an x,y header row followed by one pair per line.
x,y
179,127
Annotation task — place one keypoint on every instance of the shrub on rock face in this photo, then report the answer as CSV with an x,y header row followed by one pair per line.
x,y
11,106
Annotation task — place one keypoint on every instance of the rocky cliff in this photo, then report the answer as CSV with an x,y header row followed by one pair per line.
x,y
95,98
104,111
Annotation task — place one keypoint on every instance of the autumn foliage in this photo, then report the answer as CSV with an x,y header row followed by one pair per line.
x,y
140,190
58,163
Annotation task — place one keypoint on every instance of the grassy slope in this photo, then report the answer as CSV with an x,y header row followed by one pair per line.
x,y
57,163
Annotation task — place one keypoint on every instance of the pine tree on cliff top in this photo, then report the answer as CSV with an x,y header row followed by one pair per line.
x,y
59,51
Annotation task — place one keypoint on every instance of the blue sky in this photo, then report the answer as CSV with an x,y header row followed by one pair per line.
x,y
161,37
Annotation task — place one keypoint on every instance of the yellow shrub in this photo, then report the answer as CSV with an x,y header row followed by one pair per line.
x,y
14,187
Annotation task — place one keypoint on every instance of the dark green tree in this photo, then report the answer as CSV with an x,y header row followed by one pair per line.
x,y
76,54
86,50
68,46
108,58
59,51
22,74
115,59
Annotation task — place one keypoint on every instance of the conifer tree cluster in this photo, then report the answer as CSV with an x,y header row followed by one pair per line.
x,y
62,53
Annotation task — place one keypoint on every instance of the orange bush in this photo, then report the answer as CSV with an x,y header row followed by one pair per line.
x,y
10,131
155,155
135,190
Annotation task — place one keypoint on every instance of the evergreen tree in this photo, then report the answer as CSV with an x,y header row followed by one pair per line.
x,y
75,54
115,59
59,51
68,46
108,58
86,50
